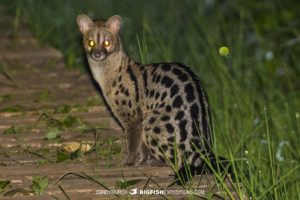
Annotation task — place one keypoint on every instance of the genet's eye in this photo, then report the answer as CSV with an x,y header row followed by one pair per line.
x,y
91,43
106,43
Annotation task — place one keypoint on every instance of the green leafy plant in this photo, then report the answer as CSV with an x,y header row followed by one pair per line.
x,y
11,130
4,185
44,95
16,129
125,184
5,98
63,109
62,157
12,109
56,127
53,133
39,184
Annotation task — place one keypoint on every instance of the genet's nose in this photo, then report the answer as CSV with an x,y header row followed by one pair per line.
x,y
97,54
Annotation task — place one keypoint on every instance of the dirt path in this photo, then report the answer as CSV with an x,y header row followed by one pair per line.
x,y
44,107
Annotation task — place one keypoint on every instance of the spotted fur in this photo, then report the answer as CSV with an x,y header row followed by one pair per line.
x,y
162,107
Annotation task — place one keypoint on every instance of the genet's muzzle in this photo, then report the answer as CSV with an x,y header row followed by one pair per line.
x,y
99,54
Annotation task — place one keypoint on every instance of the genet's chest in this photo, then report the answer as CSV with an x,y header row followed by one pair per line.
x,y
121,97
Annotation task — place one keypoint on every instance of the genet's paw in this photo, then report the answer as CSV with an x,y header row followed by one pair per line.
x,y
141,161
129,160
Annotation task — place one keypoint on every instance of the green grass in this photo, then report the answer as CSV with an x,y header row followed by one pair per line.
x,y
253,92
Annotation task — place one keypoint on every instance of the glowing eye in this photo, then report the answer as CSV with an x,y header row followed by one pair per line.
x,y
106,43
91,43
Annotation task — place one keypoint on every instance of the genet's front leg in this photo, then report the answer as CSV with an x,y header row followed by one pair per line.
x,y
143,154
133,142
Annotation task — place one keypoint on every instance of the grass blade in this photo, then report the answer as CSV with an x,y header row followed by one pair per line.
x,y
63,191
7,76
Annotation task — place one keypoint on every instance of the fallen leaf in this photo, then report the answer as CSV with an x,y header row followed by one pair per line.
x,y
74,146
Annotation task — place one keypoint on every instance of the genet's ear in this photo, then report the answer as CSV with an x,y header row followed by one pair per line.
x,y
114,23
84,22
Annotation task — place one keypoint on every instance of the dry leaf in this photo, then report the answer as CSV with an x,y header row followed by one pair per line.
x,y
73,146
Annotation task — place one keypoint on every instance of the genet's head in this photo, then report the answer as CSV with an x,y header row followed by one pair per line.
x,y
100,38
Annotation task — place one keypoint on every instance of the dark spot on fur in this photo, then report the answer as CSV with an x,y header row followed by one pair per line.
x,y
161,150
194,111
167,81
152,93
183,132
157,95
117,102
154,68
177,103
174,90
165,118
153,142
168,108
195,145
157,78
162,105
180,75
162,159
171,139
182,146
120,78
122,90
123,102
156,130
129,104
189,91
195,129
126,92
152,120
154,77
145,79
195,115
179,115
163,96
169,128
164,147
134,80
166,67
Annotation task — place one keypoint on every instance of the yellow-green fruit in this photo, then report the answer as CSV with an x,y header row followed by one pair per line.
x,y
224,51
